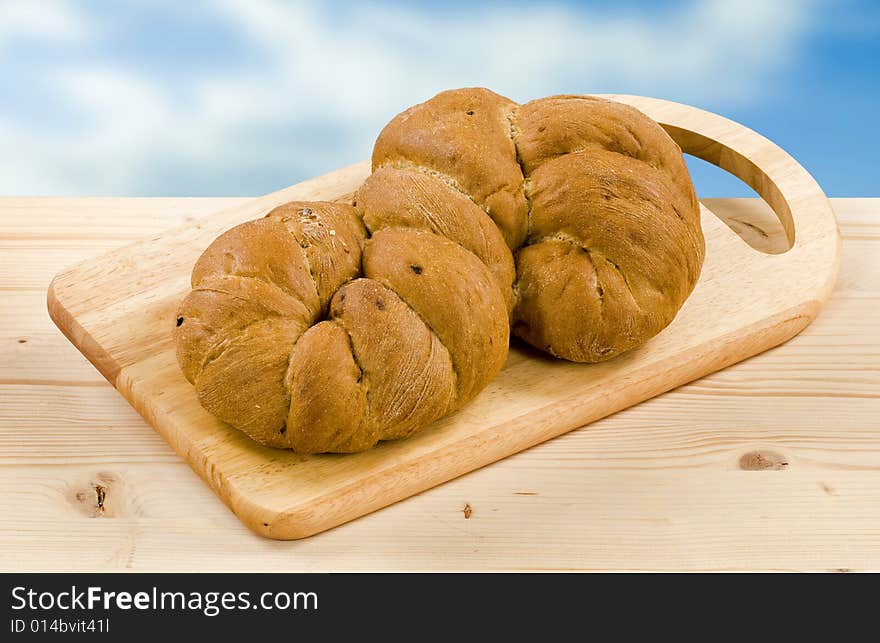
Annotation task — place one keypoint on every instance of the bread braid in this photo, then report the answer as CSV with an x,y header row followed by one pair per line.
x,y
328,327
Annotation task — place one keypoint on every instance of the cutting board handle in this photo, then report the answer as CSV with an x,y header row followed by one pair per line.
x,y
792,193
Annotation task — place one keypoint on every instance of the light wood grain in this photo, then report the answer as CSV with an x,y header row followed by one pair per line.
x,y
113,218
118,310
657,486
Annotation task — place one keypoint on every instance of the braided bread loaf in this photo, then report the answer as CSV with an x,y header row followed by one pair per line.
x,y
328,327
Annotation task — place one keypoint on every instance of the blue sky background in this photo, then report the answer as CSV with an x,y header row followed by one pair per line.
x,y
242,97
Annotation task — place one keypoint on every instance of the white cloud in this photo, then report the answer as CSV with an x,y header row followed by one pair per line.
x,y
383,58
55,21
326,83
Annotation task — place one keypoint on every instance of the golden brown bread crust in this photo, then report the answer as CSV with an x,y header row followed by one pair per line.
x,y
284,341
609,245
327,327
627,269
464,136
408,198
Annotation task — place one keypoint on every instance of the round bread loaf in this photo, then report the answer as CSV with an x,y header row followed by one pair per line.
x,y
325,327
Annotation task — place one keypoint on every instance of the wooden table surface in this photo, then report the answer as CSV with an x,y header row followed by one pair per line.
x,y
773,464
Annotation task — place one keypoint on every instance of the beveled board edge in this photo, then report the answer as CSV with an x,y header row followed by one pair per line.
x,y
422,473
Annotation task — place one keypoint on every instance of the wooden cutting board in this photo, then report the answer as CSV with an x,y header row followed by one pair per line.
x,y
119,309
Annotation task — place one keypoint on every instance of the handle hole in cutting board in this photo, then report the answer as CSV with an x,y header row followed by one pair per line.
x,y
743,168
754,221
